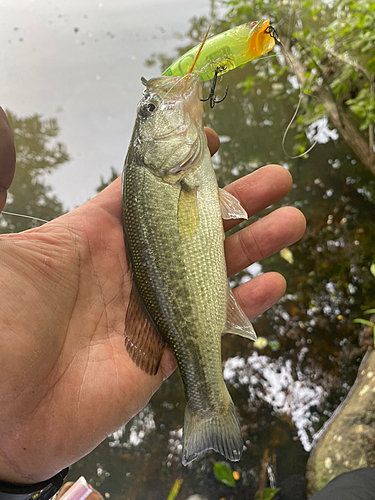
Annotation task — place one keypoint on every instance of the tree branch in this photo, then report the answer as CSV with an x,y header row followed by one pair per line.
x,y
338,117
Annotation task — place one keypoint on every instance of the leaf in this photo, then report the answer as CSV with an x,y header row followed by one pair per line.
x,y
287,255
369,311
274,345
363,322
268,494
224,474
371,65
260,343
372,269
175,489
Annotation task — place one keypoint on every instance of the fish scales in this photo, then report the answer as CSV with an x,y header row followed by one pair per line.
x,y
185,276
174,237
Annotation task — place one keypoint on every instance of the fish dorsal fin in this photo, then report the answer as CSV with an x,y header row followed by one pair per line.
x,y
187,211
237,321
230,207
142,341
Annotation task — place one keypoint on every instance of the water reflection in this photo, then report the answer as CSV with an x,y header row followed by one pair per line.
x,y
38,153
286,388
134,433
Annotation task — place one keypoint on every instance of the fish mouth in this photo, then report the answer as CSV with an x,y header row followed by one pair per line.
x,y
261,40
169,86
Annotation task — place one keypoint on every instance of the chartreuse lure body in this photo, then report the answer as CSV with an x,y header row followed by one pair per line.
x,y
227,50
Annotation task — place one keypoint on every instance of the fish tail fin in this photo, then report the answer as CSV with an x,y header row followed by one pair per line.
x,y
217,430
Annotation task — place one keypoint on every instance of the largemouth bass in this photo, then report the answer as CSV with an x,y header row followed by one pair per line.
x,y
172,213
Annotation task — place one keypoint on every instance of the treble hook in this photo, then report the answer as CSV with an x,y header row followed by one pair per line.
x,y
273,33
212,97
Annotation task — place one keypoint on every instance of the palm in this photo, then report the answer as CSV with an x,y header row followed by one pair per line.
x,y
74,372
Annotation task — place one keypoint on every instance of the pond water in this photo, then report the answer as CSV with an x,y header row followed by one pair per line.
x,y
77,65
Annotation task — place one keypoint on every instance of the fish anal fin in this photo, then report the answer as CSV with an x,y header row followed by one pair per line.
x,y
187,211
230,207
142,341
237,321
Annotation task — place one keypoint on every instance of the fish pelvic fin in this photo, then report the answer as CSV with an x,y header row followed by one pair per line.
x,y
237,321
212,430
230,207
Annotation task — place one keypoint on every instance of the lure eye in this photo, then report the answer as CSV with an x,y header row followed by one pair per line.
x,y
146,109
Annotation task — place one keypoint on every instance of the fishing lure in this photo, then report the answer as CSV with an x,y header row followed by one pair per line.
x,y
226,51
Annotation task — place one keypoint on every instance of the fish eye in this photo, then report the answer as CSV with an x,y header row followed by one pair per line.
x,y
147,108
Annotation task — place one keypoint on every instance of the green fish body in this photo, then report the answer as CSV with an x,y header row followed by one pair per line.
x,y
172,212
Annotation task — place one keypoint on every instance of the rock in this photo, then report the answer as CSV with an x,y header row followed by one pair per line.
x,y
347,442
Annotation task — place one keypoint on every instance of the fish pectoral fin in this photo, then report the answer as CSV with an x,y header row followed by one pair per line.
x,y
237,321
187,211
230,207
142,341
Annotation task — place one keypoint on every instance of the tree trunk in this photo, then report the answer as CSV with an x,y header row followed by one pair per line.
x,y
338,118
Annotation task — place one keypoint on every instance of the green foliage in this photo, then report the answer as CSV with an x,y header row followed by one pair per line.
x,y
274,345
266,494
331,48
175,489
367,322
224,474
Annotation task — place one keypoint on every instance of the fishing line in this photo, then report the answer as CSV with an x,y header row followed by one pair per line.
x,y
24,216
265,57
300,97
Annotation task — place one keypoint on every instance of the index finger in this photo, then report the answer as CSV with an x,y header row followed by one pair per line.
x,y
7,157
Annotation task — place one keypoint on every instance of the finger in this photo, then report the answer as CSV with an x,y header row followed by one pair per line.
x,y
213,140
7,157
65,487
260,293
269,235
260,189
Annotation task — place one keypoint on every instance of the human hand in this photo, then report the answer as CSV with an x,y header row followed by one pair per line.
x,y
66,380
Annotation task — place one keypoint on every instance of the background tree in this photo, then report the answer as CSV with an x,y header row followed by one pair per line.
x,y
330,48
38,153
